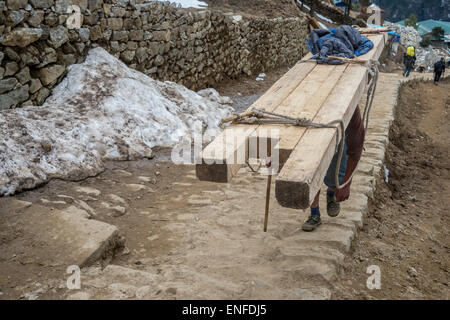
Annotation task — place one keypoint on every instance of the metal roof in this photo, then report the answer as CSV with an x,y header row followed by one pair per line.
x,y
426,26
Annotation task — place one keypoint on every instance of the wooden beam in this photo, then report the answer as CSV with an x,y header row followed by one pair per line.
x,y
302,175
220,158
307,90
305,102
372,30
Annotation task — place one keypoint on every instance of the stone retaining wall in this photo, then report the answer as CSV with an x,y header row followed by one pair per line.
x,y
196,48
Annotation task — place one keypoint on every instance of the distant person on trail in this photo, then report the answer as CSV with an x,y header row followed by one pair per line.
x,y
409,60
353,147
439,69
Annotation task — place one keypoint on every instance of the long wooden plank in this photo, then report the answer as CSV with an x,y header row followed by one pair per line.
x,y
304,102
302,176
219,160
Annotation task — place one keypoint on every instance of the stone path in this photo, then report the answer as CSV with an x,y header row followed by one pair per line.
x,y
206,239
223,253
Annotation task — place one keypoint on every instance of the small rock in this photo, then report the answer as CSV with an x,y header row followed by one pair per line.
x,y
15,17
88,190
84,34
16,4
24,75
41,95
136,187
59,36
412,272
35,85
42,4
49,74
7,84
36,18
14,97
11,68
22,37
12,54
46,146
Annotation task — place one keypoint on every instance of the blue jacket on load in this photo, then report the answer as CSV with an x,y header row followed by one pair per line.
x,y
344,42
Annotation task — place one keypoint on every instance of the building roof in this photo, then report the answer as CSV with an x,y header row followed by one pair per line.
x,y
426,26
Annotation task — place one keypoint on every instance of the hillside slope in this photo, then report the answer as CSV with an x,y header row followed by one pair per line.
x,y
397,10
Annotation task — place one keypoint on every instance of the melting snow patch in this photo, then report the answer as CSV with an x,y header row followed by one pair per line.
x,y
324,18
187,3
304,5
261,77
101,110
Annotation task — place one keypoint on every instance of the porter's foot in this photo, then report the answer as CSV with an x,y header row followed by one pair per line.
x,y
333,207
312,223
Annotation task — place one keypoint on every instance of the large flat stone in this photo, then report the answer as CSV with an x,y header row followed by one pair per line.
x,y
327,235
48,236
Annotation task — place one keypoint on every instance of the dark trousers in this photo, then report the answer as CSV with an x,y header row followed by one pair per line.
x,y
437,76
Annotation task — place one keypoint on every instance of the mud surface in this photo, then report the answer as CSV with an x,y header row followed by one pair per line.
x,y
407,232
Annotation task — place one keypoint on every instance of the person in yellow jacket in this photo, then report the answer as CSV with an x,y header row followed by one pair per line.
x,y
409,60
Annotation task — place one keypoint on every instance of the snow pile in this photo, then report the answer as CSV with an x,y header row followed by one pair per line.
x,y
323,26
261,77
187,3
101,110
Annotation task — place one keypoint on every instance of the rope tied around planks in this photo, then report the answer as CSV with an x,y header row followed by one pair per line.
x,y
258,116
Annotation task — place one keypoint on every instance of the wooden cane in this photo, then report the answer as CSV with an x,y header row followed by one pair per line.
x,y
373,30
355,60
269,185
266,216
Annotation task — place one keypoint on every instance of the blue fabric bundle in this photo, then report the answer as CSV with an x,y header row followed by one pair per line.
x,y
395,36
344,42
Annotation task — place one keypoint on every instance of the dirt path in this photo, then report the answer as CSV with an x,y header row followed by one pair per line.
x,y
197,240
407,233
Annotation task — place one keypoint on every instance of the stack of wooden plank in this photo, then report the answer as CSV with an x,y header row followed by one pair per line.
x,y
322,93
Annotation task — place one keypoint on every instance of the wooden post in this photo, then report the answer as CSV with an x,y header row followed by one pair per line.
x,y
266,215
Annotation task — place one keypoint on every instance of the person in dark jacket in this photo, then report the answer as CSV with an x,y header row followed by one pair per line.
x,y
353,148
439,69
409,62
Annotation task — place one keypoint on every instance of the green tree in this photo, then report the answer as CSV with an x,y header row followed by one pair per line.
x,y
425,42
411,21
438,33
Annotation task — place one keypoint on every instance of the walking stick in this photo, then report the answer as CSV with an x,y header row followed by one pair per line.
x,y
269,185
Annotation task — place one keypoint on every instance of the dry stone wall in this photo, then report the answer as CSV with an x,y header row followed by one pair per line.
x,y
196,48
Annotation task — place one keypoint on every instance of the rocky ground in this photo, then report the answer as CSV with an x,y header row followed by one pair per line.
x,y
407,230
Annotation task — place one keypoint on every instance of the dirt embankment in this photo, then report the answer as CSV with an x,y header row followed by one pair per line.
x,y
263,8
407,232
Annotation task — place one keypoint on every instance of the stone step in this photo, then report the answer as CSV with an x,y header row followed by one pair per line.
x,y
56,237
326,235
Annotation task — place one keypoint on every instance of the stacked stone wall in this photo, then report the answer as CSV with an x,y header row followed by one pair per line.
x,y
39,39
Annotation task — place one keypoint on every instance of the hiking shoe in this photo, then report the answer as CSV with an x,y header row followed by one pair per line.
x,y
333,207
312,223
